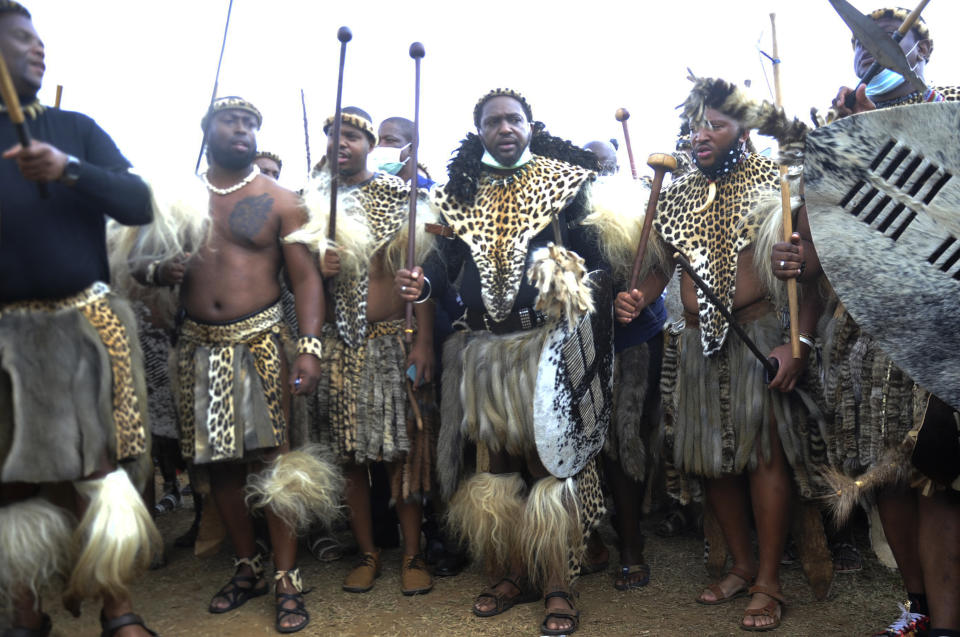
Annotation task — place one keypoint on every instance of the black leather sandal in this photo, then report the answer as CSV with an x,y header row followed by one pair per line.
x,y
237,595
111,626
573,615
297,598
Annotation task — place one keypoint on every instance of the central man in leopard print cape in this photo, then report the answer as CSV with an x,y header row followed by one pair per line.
x,y
513,210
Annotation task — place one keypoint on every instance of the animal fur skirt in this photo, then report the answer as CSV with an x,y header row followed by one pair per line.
x,y
717,411
71,386
636,407
365,411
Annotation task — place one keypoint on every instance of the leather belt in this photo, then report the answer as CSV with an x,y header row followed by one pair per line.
x,y
526,318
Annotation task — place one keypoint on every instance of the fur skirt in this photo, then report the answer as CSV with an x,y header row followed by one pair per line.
x,y
487,397
364,410
717,411
874,403
71,386
229,388
636,407
156,343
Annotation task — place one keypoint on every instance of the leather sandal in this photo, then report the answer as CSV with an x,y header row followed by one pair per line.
x,y
624,580
300,610
777,602
237,595
573,615
44,631
111,626
503,601
720,598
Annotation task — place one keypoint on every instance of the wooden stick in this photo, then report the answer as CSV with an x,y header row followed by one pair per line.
x,y
416,52
12,101
786,208
661,164
344,35
56,102
622,116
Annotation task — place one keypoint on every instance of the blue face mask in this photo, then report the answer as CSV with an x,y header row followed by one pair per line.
x,y
887,80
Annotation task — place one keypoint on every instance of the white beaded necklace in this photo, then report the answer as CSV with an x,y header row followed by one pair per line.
x,y
235,187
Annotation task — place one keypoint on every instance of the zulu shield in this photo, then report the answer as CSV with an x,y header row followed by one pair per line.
x,y
574,391
883,199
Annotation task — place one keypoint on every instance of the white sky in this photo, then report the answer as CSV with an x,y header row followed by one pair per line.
x,y
145,70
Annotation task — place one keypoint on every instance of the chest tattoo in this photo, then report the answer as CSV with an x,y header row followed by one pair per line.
x,y
249,215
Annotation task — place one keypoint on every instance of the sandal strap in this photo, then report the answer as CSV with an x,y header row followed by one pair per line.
x,y
295,579
769,592
561,594
111,626
746,576
633,568
255,563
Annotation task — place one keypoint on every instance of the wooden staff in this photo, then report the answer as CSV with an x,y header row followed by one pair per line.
x,y
417,53
306,132
661,164
785,206
56,102
769,364
344,35
10,98
622,116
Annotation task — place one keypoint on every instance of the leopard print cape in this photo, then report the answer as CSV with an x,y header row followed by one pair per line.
x,y
506,214
217,350
94,304
712,240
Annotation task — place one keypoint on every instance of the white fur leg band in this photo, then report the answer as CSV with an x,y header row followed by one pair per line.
x,y
35,547
551,532
484,514
116,538
300,487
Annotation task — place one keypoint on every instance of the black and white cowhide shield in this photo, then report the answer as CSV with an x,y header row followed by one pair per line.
x,y
883,198
574,391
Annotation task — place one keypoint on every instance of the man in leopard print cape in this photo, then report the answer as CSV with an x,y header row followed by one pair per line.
x,y
513,189
723,422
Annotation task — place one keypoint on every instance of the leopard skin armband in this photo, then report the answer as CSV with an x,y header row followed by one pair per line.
x,y
309,344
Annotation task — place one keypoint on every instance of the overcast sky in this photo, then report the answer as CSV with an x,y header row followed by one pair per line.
x,y
145,70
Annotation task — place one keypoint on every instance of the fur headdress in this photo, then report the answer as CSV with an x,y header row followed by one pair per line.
x,y
230,102
899,13
354,117
729,99
266,154
501,92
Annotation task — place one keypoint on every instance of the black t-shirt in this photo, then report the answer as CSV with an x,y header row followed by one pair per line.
x,y
56,246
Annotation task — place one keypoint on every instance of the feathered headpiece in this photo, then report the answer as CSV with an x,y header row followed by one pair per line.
x,y
767,118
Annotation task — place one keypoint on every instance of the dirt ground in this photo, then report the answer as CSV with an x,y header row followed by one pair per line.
x,y
174,599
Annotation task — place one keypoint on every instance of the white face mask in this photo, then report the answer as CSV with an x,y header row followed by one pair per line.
x,y
387,159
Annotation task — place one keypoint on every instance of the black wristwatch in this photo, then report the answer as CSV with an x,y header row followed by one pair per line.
x,y
71,171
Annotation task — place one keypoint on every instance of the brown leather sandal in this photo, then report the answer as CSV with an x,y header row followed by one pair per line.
x,y
777,602
720,598
503,601
573,615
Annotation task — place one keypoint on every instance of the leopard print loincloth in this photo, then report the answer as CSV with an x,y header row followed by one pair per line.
x,y
264,335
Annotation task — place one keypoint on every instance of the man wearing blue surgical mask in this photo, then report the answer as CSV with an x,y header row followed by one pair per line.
x,y
392,153
889,88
